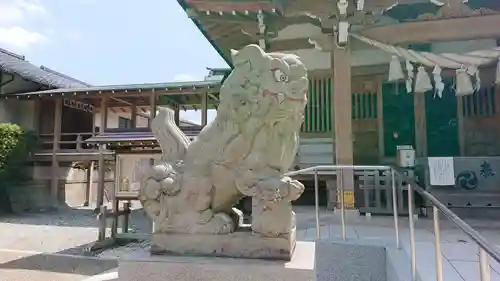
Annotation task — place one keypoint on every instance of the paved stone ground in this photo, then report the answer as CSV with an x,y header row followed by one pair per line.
x,y
49,247
460,263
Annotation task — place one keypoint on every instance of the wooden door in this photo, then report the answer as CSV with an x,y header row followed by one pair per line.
x,y
442,123
399,118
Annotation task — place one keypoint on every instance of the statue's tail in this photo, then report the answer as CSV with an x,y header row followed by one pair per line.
x,y
161,184
173,142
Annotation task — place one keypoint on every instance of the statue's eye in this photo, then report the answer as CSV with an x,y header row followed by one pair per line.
x,y
279,76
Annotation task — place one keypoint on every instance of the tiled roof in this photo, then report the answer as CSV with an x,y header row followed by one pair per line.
x,y
16,64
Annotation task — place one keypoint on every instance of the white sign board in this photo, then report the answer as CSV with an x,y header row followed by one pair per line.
x,y
130,170
441,171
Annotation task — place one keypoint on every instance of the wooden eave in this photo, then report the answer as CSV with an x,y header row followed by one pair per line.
x,y
234,30
229,29
234,5
185,95
420,21
467,28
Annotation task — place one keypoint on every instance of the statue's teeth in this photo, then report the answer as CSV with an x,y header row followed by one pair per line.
x,y
281,97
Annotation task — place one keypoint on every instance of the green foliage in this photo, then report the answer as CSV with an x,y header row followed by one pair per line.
x,y
10,137
15,147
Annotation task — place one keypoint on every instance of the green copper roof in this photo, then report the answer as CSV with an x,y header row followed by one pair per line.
x,y
185,6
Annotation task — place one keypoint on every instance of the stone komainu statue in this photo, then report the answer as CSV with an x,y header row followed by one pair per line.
x,y
245,151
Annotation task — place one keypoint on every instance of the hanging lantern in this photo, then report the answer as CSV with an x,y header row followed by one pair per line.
x,y
438,82
464,83
422,82
395,70
409,77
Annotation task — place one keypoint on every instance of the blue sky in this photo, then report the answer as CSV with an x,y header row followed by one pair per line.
x,y
108,41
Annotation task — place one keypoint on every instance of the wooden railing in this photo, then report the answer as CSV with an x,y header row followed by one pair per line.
x,y
68,141
77,141
190,131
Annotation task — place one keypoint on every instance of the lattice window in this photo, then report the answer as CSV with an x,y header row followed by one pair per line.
x,y
124,122
480,104
318,113
364,106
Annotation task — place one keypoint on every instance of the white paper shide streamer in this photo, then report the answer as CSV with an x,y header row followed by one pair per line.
x,y
422,82
467,65
464,83
409,78
360,5
395,70
438,82
474,71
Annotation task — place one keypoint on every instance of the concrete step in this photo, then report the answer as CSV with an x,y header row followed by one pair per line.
x,y
352,260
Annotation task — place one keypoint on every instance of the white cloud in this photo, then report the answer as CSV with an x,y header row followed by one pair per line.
x,y
15,30
32,7
10,14
17,11
20,38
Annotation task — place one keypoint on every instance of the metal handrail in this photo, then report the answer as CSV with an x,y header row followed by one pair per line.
x,y
485,248
335,168
473,234
340,185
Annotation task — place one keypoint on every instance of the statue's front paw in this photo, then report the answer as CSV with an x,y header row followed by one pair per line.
x,y
224,224
296,188
219,223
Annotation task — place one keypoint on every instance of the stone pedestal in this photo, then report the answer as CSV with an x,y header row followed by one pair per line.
x,y
240,244
142,266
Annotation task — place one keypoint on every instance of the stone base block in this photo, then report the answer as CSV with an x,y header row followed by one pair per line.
x,y
141,266
241,244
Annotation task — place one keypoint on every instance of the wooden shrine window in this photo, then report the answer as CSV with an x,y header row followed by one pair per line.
x,y
364,105
124,122
481,103
318,111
